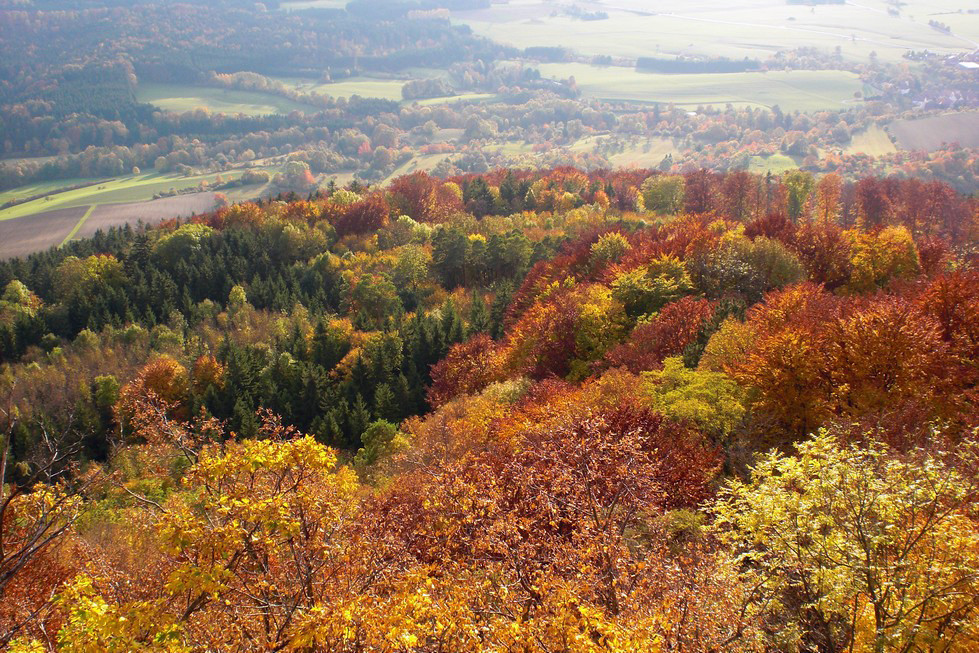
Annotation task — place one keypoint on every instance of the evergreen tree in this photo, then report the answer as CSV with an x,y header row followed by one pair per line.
x,y
479,318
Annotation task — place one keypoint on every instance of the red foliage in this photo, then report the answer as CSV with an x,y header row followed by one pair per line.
x,y
468,368
776,226
676,326
417,195
538,498
545,336
873,200
701,191
825,252
953,300
367,215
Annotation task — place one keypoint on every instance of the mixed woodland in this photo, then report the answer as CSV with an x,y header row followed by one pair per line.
x,y
557,410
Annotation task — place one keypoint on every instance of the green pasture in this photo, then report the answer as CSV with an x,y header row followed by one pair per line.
x,y
748,28
462,97
386,89
803,90
30,190
184,97
775,164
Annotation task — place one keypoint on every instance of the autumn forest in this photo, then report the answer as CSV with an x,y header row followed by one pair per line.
x,y
519,411
503,326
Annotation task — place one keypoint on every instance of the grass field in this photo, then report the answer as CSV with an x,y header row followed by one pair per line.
x,y
873,141
805,90
645,154
462,97
748,28
30,190
184,97
386,89
421,162
776,164
929,133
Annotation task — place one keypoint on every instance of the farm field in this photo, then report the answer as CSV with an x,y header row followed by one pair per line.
x,y
152,212
803,90
41,231
136,188
38,232
185,97
647,154
754,28
929,133
873,141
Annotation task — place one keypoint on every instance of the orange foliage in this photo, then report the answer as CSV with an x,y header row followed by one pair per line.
x,y
467,368
673,328
163,379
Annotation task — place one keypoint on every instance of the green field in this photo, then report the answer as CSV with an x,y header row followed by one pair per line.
x,y
30,190
183,97
387,89
748,28
121,190
462,97
803,90
775,164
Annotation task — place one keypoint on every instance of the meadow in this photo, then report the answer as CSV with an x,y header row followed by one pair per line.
x,y
384,88
184,97
39,188
803,90
775,164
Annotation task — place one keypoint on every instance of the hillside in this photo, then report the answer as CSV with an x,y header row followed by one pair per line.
x,y
548,410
